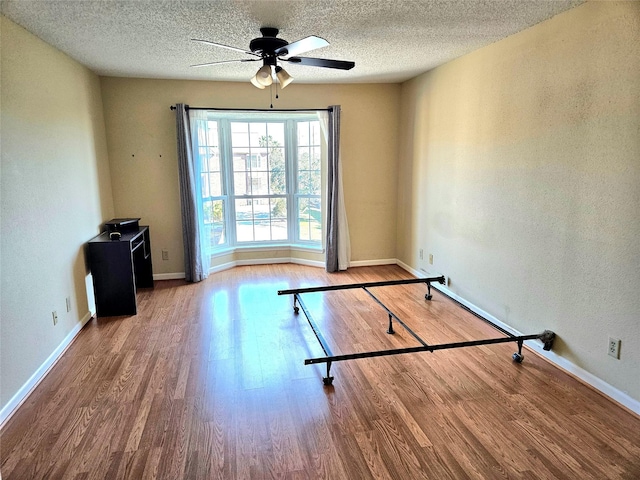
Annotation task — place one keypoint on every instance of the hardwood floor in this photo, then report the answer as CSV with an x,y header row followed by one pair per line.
x,y
208,381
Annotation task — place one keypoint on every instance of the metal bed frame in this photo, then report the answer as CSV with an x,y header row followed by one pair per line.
x,y
547,337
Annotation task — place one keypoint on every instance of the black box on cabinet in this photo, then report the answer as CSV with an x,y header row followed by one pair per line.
x,y
122,225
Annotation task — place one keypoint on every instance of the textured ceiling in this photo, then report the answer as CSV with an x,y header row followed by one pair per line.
x,y
390,41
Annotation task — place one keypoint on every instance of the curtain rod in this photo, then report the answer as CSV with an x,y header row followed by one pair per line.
x,y
187,107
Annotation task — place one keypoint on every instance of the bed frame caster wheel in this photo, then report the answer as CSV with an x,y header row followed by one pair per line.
x,y
517,357
428,297
296,310
327,380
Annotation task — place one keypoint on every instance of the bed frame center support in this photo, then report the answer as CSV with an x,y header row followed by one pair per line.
x,y
390,330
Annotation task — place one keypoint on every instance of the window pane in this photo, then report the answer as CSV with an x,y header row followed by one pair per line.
x,y
314,161
209,134
276,157
277,181
304,182
259,159
258,132
240,162
262,229
212,180
212,133
214,222
277,171
261,219
279,219
262,224
309,219
240,134
259,183
315,183
240,183
276,134
303,158
303,219
215,184
303,133
315,219
204,158
244,220
315,133
204,180
209,157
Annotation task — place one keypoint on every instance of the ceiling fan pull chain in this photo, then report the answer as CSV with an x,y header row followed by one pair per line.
x,y
271,93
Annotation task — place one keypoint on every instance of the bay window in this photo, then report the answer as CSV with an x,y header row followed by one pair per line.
x,y
260,178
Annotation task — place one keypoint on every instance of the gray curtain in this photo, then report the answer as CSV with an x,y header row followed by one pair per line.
x,y
195,269
337,241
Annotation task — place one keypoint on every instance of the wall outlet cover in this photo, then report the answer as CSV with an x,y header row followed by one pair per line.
x,y
614,347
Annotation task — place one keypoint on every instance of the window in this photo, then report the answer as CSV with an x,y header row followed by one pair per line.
x,y
261,178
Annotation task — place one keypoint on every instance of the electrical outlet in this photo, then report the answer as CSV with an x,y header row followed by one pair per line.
x,y
614,347
54,314
68,304
431,259
165,254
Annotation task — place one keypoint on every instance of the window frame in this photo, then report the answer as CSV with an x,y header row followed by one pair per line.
x,y
292,195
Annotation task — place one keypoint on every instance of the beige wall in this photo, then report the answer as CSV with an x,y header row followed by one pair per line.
x,y
520,173
55,193
141,136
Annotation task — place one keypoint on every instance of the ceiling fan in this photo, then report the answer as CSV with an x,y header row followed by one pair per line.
x,y
272,50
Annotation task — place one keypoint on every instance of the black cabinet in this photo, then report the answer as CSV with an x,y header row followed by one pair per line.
x,y
119,265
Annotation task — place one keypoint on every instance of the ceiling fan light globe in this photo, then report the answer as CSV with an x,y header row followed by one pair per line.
x,y
283,77
255,83
263,77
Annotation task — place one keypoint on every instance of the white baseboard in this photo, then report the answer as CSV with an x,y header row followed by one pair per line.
x,y
409,269
562,363
371,263
266,261
169,276
21,395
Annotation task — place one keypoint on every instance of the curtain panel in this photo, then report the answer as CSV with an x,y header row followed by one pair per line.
x,y
196,259
337,242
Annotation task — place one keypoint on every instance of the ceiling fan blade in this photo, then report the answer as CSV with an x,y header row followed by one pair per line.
x,y
302,46
322,62
227,61
221,45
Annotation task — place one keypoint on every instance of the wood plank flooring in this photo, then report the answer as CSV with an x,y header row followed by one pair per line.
x,y
208,382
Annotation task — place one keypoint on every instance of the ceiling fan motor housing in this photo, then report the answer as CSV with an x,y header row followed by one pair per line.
x,y
268,43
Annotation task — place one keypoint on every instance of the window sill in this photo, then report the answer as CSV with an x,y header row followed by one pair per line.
x,y
266,248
